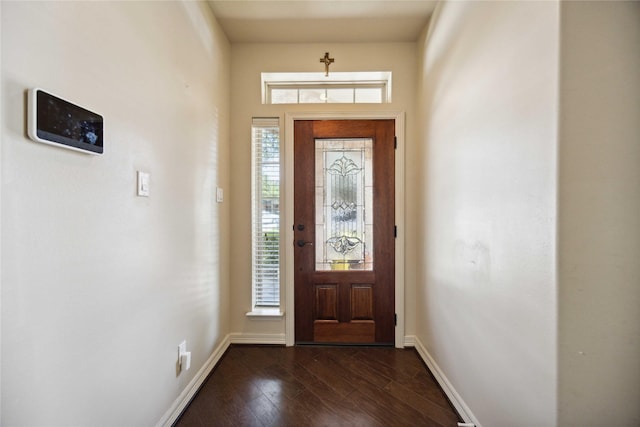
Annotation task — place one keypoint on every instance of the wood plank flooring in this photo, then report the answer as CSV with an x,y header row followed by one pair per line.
x,y
319,386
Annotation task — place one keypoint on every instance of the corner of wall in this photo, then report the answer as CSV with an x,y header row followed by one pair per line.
x,y
182,401
599,206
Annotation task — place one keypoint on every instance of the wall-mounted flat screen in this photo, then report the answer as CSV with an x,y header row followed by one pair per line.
x,y
53,120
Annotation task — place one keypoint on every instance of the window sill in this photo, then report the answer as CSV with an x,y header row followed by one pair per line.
x,y
265,314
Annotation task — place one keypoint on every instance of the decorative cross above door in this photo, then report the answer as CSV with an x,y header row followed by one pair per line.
x,y
327,61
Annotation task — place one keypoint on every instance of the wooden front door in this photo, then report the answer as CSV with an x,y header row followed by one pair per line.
x,y
344,231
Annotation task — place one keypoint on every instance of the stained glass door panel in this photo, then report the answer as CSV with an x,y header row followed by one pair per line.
x,y
344,198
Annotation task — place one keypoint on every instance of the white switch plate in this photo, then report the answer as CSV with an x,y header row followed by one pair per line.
x,y
182,349
143,184
219,195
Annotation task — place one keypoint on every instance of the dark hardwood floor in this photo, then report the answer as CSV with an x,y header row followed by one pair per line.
x,y
319,386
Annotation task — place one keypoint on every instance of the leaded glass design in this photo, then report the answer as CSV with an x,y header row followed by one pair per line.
x,y
344,197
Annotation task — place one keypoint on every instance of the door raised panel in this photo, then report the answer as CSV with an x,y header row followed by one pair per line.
x,y
326,304
361,302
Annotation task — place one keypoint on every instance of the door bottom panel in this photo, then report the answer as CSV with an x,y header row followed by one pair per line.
x,y
362,332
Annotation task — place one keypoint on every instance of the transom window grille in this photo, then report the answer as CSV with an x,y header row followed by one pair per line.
x,y
265,136
316,88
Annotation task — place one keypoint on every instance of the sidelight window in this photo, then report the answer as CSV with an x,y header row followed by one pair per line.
x,y
265,136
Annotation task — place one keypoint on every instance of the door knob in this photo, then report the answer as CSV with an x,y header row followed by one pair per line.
x,y
302,243
300,227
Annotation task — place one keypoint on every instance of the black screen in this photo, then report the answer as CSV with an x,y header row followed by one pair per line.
x,y
65,123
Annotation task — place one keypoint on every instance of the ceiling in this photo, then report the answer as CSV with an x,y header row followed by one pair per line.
x,y
311,21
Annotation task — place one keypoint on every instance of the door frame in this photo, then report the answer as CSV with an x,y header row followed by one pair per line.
x,y
287,263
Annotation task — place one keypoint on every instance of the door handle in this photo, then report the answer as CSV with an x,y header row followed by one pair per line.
x,y
303,243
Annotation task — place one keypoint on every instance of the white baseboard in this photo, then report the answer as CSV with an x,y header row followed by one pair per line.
x,y
447,387
240,338
192,388
409,341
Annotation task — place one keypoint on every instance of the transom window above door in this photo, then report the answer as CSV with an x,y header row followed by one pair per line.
x,y
338,88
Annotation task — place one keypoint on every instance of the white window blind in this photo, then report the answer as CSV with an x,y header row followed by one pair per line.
x,y
265,136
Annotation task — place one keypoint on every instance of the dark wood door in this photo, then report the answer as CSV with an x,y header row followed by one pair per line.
x,y
344,231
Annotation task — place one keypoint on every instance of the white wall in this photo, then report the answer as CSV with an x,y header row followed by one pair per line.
x,y
599,225
100,286
248,61
486,300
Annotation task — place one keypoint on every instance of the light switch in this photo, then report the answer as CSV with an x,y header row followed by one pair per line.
x,y
219,195
143,184
184,356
